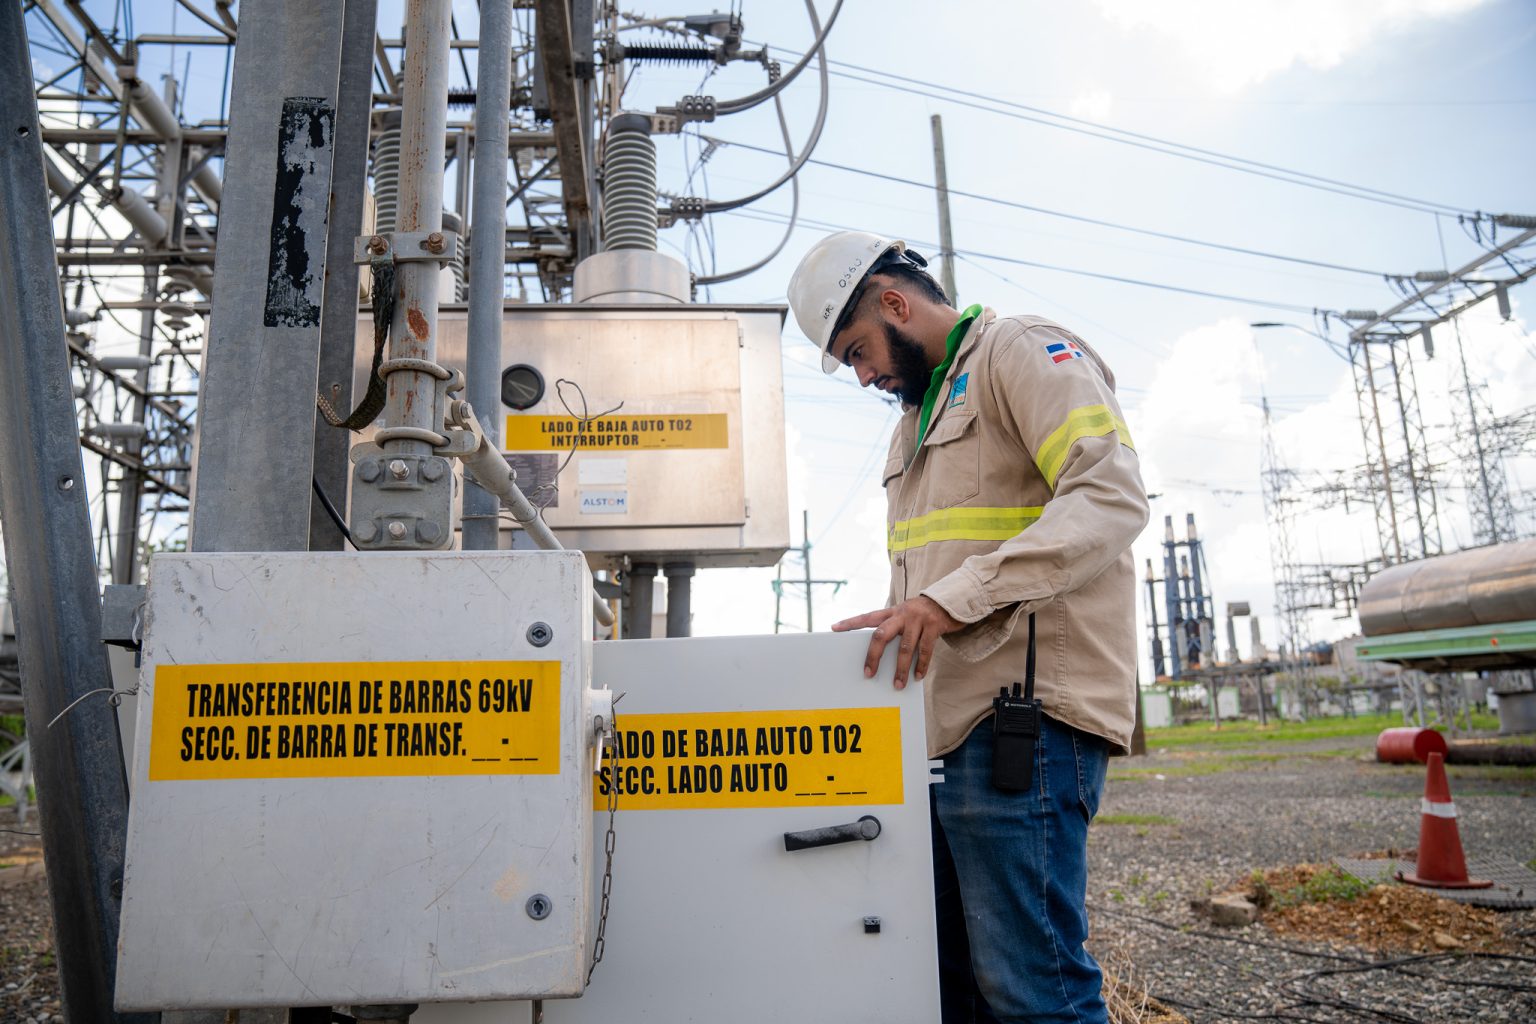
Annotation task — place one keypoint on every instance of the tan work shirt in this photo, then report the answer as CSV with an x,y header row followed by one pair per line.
x,y
1024,496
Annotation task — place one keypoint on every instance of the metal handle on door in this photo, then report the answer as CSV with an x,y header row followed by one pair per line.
x,y
866,828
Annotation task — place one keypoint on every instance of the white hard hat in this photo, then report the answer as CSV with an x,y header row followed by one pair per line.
x,y
827,278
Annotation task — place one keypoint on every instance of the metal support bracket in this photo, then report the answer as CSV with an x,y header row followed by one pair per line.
x,y
670,120
122,615
380,520
407,246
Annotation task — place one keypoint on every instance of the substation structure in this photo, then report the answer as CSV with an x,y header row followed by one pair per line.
x,y
357,349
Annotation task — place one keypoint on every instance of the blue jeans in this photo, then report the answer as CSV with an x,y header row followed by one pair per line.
x,y
1010,877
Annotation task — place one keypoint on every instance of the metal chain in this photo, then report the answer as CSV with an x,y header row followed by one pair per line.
x,y
609,841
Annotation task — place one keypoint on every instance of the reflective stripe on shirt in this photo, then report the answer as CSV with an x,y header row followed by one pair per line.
x,y
961,524
1088,421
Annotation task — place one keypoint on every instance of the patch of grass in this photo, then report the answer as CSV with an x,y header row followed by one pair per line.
x,y
1134,819
1183,770
1323,886
1248,733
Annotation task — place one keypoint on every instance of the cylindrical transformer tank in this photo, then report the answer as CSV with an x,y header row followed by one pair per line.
x,y
1470,588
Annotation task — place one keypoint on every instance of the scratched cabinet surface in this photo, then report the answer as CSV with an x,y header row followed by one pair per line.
x,y
730,743
359,780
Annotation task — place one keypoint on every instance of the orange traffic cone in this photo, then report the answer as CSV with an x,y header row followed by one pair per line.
x,y
1441,864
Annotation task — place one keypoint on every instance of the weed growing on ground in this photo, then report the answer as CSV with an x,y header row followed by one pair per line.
x,y
1323,886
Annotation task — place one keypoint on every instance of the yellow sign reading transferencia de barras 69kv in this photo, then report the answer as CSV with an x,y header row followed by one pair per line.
x,y
342,719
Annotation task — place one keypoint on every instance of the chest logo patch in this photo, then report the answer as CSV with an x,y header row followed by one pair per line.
x,y
1061,351
957,390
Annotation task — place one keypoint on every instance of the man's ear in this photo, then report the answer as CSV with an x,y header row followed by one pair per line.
x,y
895,305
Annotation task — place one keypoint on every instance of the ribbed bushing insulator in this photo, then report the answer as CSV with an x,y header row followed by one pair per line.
x,y
629,184
174,307
453,222
386,179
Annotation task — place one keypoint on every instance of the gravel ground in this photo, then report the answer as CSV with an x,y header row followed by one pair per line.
x,y
29,981
1233,810
1212,818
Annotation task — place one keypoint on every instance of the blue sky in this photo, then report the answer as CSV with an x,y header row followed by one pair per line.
x,y
1432,99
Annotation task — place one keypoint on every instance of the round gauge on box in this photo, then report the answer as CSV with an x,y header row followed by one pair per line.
x,y
522,387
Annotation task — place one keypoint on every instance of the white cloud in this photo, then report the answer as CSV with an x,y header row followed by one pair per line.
x,y
1094,105
1237,44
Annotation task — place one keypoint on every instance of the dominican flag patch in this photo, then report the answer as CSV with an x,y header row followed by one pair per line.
x,y
1061,351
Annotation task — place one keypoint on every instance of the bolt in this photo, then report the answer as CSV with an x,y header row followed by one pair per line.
x,y
398,469
366,531
540,634
539,906
428,532
377,245
397,530
432,469
66,483
433,243
368,471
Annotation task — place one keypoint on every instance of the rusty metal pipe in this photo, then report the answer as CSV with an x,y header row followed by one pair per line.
x,y
423,124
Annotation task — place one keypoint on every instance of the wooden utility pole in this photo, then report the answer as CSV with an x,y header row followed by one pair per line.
x,y
946,236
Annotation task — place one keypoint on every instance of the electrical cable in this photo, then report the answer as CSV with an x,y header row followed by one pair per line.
x,y
330,510
1160,285
772,89
1021,111
794,213
1080,218
720,206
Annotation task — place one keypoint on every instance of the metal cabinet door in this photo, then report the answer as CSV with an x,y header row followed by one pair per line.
x,y
711,918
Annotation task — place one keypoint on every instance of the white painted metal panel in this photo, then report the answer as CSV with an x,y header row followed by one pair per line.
x,y
712,920
660,361
357,887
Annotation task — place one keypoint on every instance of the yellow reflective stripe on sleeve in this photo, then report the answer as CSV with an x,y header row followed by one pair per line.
x,y
961,524
1088,421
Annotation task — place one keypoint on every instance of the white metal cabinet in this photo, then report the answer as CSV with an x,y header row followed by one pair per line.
x,y
274,870
712,920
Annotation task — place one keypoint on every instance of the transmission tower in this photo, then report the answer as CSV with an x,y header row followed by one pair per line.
x,y
1402,477
1280,503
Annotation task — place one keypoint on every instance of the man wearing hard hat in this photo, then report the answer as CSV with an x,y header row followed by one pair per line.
x,y
1014,494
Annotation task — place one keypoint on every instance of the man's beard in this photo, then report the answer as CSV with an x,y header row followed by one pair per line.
x,y
909,365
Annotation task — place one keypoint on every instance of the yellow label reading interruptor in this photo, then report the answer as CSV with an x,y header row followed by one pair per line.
x,y
347,719
527,432
822,757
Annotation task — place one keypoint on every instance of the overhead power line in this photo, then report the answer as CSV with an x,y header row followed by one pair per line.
x,y
1078,271
1108,133
1079,218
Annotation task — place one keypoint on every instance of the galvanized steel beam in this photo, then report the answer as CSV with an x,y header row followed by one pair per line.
x,y
338,313
487,267
78,763
257,407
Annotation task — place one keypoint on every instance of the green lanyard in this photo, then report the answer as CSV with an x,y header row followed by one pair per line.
x,y
936,381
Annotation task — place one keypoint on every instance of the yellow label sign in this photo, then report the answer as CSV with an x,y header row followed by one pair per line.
x,y
531,433
754,759
347,719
